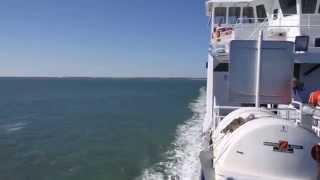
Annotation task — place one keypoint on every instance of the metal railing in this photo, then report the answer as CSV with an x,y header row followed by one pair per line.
x,y
293,112
289,113
251,20
304,24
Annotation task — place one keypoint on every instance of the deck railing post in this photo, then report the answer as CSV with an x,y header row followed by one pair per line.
x,y
258,68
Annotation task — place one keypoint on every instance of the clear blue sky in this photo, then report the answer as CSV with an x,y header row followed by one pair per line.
x,y
119,38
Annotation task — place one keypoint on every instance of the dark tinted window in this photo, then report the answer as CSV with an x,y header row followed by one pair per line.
x,y
261,13
247,15
275,14
301,43
220,15
222,67
317,42
234,14
309,6
288,7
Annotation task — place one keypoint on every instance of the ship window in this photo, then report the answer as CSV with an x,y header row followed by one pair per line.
x,y
275,14
234,14
317,42
288,7
261,13
220,15
247,15
222,67
309,6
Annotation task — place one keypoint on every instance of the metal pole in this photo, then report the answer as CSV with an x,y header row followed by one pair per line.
x,y
212,20
258,68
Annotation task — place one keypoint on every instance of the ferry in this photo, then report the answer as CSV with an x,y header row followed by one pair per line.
x,y
263,98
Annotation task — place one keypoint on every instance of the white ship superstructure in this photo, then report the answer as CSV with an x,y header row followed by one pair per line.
x,y
263,66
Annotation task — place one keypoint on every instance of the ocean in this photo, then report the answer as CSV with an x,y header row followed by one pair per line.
x,y
100,128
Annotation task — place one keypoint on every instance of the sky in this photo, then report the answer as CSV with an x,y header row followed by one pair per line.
x,y
103,38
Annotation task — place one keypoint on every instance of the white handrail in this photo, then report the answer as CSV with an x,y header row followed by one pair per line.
x,y
259,28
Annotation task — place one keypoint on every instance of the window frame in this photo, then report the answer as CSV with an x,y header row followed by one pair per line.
x,y
237,14
313,6
248,19
263,13
287,12
223,17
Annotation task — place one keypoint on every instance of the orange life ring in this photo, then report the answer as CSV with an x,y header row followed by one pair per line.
x,y
314,98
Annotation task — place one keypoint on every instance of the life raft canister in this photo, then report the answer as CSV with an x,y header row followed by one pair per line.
x,y
314,98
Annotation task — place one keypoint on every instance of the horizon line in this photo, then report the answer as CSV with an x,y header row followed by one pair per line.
x,y
106,77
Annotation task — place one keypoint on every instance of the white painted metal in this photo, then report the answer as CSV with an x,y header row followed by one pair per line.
x,y
209,110
243,72
258,69
243,155
240,134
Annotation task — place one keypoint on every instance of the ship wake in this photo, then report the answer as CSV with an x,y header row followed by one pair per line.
x,y
182,162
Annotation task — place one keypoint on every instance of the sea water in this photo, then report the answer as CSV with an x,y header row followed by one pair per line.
x,y
100,128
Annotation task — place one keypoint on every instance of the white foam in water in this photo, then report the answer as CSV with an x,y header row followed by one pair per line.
x,y
14,126
182,161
